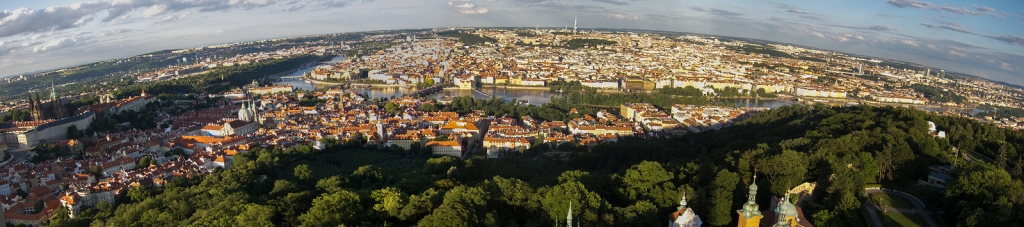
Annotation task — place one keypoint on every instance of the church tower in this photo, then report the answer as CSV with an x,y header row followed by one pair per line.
x,y
568,216
32,107
684,216
786,213
750,216
37,108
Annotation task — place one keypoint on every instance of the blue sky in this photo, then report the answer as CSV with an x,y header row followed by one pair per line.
x,y
983,38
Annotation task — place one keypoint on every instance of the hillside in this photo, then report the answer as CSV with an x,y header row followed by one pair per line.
x,y
633,182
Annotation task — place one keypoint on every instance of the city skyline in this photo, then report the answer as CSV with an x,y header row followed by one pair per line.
x,y
977,38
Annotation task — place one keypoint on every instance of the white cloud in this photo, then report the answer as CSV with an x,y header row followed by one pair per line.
x,y
979,10
625,17
56,43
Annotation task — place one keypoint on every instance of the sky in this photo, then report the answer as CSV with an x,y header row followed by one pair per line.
x,y
984,38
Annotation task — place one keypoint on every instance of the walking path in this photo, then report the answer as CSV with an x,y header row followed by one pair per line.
x,y
918,208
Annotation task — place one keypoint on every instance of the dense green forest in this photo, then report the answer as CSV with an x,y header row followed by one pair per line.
x,y
634,182
468,39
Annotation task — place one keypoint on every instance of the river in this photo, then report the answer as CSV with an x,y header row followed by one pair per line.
x,y
533,96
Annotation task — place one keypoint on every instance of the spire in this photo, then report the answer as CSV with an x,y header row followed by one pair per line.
x,y
783,210
53,91
568,216
682,203
751,209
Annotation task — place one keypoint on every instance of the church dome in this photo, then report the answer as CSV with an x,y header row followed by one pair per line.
x,y
750,206
790,210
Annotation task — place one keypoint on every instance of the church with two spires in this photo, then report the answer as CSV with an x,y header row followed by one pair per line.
x,y
781,214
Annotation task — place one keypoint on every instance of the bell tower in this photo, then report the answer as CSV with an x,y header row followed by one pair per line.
x,y
749,215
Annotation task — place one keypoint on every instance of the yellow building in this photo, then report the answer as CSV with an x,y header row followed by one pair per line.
x,y
750,216
785,214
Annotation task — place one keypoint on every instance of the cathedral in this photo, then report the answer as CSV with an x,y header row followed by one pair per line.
x,y
54,109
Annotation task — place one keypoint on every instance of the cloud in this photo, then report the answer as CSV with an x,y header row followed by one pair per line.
x,y
1012,40
613,2
56,43
949,25
625,17
979,10
26,21
468,8
880,28
804,14
717,12
984,9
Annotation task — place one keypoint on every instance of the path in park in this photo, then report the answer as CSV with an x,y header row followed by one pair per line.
x,y
918,208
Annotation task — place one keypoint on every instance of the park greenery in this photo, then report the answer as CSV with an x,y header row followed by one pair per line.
x,y
994,111
634,182
938,95
588,43
759,49
468,39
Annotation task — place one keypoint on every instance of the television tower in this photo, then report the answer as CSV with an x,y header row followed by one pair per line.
x,y
573,25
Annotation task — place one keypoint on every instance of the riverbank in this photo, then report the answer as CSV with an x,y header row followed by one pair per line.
x,y
515,87
383,85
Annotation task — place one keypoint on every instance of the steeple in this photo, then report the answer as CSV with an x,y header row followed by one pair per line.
x,y
568,216
750,215
573,25
682,202
53,91
782,212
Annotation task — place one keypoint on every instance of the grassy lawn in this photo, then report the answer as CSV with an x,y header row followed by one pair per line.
x,y
902,219
885,200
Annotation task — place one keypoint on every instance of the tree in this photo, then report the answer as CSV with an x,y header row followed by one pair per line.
x,y
389,200
330,185
303,172
588,206
649,180
784,170
984,195
256,215
391,107
332,209
420,205
38,206
895,153
138,194
1001,158
721,197
641,213
1018,169
72,132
